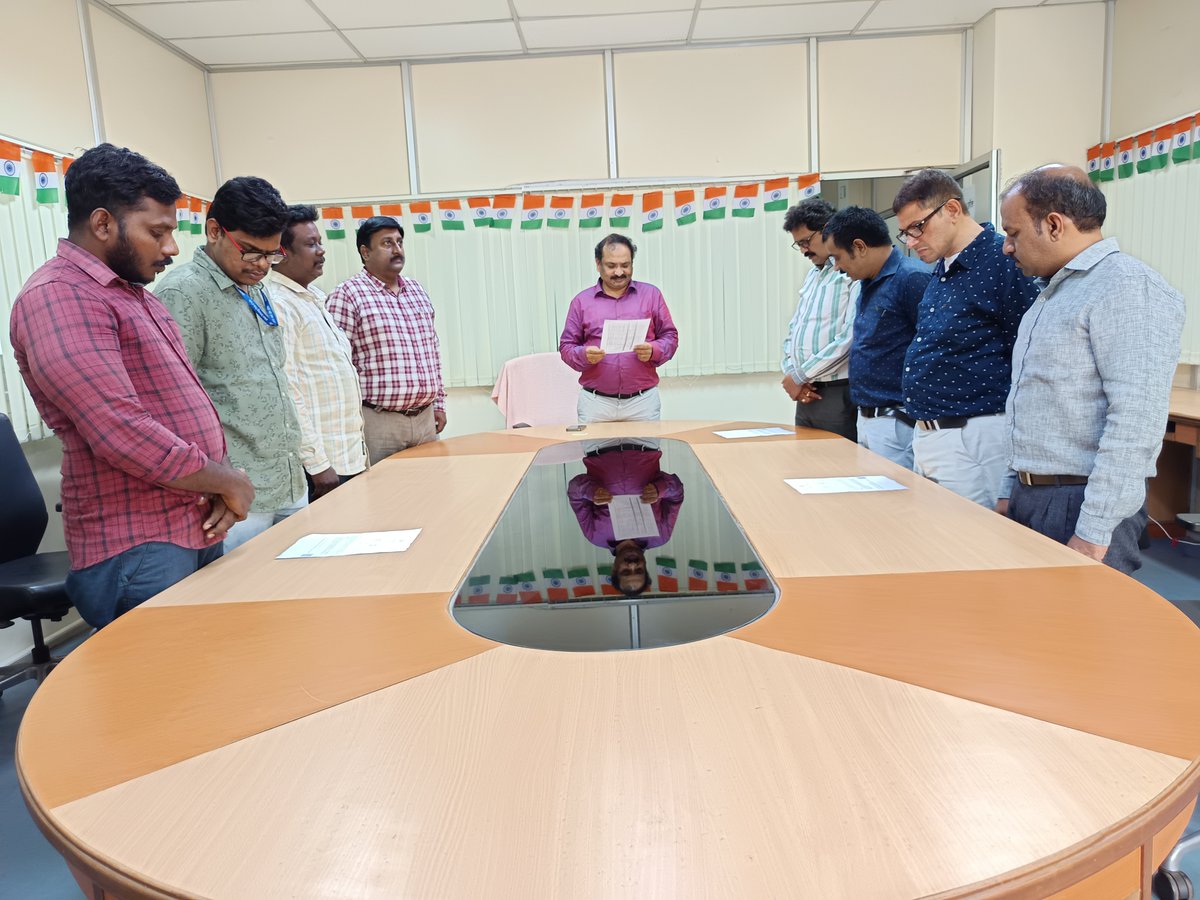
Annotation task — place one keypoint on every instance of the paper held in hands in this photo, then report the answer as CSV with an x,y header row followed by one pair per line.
x,y
313,546
631,518
850,485
622,335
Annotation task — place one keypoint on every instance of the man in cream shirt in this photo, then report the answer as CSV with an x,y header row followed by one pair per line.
x,y
319,369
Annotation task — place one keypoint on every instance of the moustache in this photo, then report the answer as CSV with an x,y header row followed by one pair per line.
x,y
165,261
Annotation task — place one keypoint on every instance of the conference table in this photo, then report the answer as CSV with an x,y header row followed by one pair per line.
x,y
939,703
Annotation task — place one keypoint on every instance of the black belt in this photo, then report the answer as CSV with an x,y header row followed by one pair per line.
x,y
415,411
837,382
943,422
618,396
1030,480
879,412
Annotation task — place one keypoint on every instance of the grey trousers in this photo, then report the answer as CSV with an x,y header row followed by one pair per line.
x,y
833,412
1053,511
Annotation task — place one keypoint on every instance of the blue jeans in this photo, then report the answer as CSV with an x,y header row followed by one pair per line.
x,y
118,584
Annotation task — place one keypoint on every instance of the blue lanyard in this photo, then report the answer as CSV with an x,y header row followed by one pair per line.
x,y
267,315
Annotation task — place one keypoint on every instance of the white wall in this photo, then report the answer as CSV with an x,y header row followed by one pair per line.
x,y
1155,76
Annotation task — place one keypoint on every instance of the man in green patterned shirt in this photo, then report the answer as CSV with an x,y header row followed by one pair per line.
x,y
231,334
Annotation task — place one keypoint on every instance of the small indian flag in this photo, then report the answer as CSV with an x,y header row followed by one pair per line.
x,y
481,211
45,178
607,588
183,218
1181,145
753,576
591,210
744,196
668,574
10,168
1195,144
1108,161
395,210
533,211
685,207
1145,146
527,586
67,160
727,579
652,217
697,575
555,584
195,215
335,222
451,215
1125,158
1162,146
1093,163
775,195
714,202
422,216
506,589
479,589
618,210
502,210
360,214
561,209
809,185
581,581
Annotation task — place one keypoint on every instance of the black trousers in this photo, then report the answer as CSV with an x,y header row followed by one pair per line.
x,y
833,412
342,479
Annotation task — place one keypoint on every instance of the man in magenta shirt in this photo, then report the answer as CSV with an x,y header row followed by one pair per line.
x,y
617,387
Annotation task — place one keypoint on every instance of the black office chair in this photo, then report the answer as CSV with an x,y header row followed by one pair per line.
x,y
33,585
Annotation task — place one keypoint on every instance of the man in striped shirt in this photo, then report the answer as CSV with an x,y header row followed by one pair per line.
x,y
816,350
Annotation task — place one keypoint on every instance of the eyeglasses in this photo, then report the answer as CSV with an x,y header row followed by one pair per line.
x,y
916,229
803,245
274,257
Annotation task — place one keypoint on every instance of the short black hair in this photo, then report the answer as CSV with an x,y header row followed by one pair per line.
x,y
298,214
372,225
857,223
116,179
1063,190
812,213
249,204
612,239
929,187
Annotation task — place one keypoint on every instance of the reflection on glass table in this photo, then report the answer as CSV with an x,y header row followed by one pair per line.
x,y
598,550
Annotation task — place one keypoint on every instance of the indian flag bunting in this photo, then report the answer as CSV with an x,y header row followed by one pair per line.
x,y
685,207
10,168
618,210
360,214
668,574
652,217
533,211
580,578
561,209
714,202
697,575
1181,145
481,211
422,216
527,586
607,588
1093,163
1145,146
809,185
479,589
744,196
1195,143
45,177
450,212
502,210
1125,158
591,210
395,210
183,219
727,579
195,213
775,195
754,577
67,160
555,584
335,222
506,591
1162,146
1108,161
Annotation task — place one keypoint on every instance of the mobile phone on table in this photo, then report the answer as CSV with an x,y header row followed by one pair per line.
x,y
576,428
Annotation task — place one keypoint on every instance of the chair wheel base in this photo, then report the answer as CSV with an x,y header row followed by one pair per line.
x,y
1170,885
33,671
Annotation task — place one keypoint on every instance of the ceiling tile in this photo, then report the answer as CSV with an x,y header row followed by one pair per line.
x,y
552,8
267,49
225,17
141,2
606,31
779,21
436,40
893,15
714,4
393,13
1057,2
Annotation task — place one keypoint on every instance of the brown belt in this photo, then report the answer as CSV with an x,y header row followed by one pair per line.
x,y
415,411
1030,480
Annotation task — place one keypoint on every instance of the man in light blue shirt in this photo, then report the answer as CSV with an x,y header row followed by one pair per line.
x,y
1092,369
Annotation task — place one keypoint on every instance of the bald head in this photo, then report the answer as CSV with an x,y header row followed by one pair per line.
x,y
1050,216
1065,190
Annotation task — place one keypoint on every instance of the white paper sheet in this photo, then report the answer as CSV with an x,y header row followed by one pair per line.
x,y
849,485
312,546
752,432
622,335
631,518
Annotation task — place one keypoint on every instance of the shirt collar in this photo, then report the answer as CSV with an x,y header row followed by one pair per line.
x,y
201,258
1085,260
966,256
632,289
289,283
378,283
90,265
889,267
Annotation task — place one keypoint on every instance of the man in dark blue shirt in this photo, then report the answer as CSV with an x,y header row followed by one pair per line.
x,y
885,322
959,366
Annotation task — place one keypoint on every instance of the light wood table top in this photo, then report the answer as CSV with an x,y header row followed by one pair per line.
x,y
941,703
1185,404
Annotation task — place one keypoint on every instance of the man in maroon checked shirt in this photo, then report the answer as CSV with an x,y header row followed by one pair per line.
x,y
147,497
617,387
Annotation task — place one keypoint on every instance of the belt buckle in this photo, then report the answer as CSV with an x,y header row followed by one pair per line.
x,y
1025,479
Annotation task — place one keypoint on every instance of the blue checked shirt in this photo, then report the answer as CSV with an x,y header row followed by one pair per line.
x,y
818,337
884,326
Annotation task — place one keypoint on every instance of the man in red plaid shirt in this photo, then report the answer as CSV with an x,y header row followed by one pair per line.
x,y
395,349
147,497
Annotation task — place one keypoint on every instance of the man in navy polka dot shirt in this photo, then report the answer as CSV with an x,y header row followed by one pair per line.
x,y
958,367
